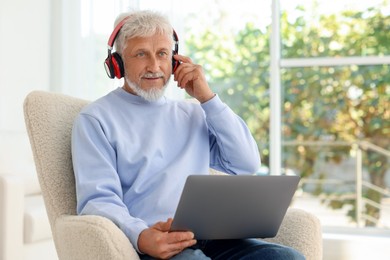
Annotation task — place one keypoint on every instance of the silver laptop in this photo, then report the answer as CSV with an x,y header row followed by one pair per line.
x,y
234,207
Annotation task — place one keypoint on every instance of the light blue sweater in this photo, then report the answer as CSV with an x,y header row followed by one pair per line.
x,y
131,157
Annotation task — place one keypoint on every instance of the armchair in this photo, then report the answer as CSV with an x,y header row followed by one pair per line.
x,y
49,118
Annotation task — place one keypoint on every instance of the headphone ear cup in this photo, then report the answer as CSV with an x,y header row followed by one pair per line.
x,y
175,63
117,65
108,66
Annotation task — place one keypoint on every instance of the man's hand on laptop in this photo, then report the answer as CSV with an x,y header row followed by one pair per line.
x,y
158,242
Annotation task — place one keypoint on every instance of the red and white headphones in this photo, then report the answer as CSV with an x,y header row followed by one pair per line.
x,y
114,64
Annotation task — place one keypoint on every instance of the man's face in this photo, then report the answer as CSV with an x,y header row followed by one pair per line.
x,y
147,62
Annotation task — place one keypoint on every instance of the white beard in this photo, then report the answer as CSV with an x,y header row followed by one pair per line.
x,y
151,95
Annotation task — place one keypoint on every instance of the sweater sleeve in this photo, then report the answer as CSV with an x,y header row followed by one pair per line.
x,y
232,146
98,186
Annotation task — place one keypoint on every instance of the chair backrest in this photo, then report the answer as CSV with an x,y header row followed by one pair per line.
x,y
49,118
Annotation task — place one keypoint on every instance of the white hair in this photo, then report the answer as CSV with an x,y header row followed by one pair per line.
x,y
141,24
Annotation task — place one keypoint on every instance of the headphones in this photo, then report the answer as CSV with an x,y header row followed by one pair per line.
x,y
114,64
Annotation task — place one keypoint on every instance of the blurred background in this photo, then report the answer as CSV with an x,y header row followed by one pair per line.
x,y
311,78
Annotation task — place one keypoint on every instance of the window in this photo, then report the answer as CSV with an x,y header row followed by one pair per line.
x,y
315,89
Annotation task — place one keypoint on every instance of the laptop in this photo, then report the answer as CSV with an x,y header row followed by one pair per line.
x,y
234,206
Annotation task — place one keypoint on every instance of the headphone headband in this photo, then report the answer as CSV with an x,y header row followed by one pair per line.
x,y
115,33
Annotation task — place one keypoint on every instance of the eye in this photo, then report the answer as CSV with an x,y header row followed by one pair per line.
x,y
140,54
163,53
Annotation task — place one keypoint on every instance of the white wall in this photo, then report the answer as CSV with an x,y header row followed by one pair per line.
x,y
24,66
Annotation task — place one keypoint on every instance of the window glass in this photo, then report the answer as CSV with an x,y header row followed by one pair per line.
x,y
334,28
96,22
231,41
336,119
329,115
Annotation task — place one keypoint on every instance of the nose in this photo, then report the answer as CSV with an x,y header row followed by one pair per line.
x,y
153,64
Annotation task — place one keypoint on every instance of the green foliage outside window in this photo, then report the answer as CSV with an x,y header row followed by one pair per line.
x,y
347,103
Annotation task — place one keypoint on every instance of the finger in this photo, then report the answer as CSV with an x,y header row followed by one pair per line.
x,y
163,226
181,70
177,237
171,249
169,222
183,59
166,226
180,246
186,75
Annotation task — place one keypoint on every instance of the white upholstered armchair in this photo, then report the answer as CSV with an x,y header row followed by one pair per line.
x,y
49,118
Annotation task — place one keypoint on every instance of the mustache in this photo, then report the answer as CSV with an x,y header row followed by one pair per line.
x,y
153,75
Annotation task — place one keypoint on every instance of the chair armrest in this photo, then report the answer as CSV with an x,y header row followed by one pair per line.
x,y
302,231
11,216
90,237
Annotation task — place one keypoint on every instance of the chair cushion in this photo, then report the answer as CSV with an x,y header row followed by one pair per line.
x,y
36,222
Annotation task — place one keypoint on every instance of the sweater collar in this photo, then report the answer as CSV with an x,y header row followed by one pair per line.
x,y
139,100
